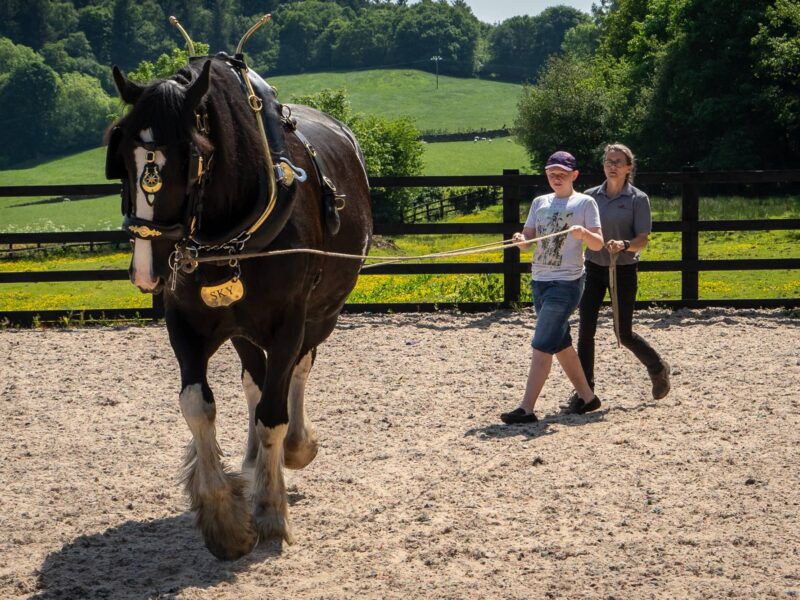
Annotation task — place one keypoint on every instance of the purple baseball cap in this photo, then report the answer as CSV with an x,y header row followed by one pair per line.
x,y
561,160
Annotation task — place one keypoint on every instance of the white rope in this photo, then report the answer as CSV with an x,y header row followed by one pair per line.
x,y
479,249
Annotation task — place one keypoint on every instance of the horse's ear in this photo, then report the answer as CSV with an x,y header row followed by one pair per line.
x,y
199,87
128,90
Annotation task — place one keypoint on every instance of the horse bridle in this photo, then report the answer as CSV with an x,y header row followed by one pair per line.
x,y
151,182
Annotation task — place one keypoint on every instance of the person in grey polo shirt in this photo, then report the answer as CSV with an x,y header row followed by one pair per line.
x,y
626,224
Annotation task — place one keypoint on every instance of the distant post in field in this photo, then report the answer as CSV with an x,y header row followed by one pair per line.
x,y
436,59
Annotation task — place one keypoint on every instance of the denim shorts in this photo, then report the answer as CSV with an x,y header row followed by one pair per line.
x,y
554,302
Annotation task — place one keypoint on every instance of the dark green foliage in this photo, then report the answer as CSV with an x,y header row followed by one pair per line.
x,y
572,108
436,28
712,83
25,123
520,46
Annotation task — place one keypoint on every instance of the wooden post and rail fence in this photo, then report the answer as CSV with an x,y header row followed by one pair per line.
x,y
513,187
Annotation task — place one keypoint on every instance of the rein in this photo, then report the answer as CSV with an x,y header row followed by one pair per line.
x,y
613,293
188,261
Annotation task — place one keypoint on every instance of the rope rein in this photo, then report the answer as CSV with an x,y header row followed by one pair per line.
x,y
192,261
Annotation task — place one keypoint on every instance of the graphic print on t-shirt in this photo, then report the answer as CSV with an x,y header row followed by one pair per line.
x,y
551,220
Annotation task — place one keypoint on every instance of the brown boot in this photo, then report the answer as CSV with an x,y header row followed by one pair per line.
x,y
660,379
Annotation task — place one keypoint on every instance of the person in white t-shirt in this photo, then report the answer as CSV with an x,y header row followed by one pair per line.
x,y
557,281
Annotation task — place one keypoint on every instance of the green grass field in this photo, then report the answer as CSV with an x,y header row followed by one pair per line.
x,y
476,158
409,93
38,214
463,288
392,93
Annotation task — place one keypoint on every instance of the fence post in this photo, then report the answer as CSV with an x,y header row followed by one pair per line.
x,y
510,255
690,242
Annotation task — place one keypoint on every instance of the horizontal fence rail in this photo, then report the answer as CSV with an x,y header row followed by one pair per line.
x,y
512,185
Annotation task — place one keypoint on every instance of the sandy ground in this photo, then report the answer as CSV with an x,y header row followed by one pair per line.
x,y
418,490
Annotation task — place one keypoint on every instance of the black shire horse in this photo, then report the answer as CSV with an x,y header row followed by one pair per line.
x,y
198,182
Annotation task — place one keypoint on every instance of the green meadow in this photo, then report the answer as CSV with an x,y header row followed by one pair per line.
x,y
462,288
390,93
38,214
408,93
484,157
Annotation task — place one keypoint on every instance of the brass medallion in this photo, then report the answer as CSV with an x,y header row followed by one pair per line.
x,y
223,294
150,180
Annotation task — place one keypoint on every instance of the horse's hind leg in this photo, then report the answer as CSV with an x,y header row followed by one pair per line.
x,y
254,371
300,446
217,497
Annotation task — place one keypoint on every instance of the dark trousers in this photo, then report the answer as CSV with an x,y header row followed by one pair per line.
x,y
589,308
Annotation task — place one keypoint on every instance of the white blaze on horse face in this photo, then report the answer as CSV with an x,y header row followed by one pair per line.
x,y
143,277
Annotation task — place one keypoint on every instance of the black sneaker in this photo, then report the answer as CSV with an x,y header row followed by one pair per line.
x,y
581,407
518,416
660,379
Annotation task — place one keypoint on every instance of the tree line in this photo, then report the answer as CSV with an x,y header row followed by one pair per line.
x,y
62,50
709,83
712,83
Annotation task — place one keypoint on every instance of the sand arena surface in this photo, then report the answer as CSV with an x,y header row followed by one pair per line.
x,y
418,491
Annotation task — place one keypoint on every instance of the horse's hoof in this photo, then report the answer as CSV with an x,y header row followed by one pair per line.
x,y
233,549
272,523
299,455
225,523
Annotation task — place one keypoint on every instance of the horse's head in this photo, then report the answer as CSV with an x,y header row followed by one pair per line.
x,y
157,150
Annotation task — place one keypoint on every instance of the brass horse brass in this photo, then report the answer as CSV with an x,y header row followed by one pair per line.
x,y
224,294
143,231
151,178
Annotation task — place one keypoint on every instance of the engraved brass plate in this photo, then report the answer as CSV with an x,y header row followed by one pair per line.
x,y
143,231
224,294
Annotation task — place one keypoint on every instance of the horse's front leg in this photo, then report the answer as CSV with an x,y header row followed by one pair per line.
x,y
270,504
217,497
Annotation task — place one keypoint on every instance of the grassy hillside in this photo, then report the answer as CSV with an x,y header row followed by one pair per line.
x,y
458,104
486,157
43,214
38,214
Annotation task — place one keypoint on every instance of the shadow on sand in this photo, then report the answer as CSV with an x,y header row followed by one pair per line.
x,y
139,560
535,430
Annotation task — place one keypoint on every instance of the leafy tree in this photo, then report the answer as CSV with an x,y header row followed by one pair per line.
x,y
138,32
436,28
302,25
582,41
367,40
95,21
82,111
705,107
165,65
520,46
573,107
778,67
25,124
13,56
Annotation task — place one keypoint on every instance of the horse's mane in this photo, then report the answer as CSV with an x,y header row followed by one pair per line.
x,y
160,108
233,138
